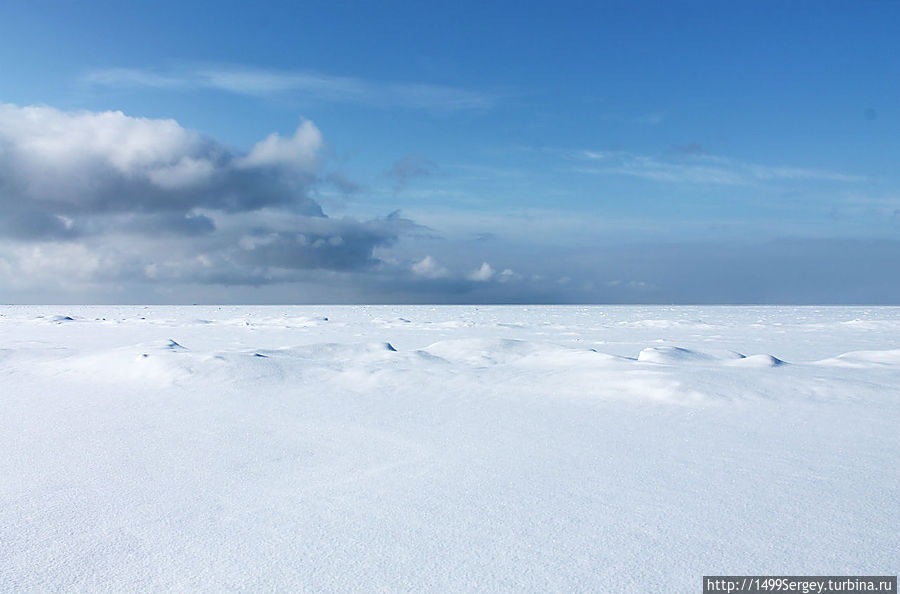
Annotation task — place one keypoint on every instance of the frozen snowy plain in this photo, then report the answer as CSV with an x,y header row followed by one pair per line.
x,y
486,449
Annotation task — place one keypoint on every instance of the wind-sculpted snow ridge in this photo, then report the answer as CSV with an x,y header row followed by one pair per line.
x,y
869,359
444,448
674,355
56,319
756,361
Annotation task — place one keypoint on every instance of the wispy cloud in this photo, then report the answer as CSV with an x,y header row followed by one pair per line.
x,y
695,167
306,85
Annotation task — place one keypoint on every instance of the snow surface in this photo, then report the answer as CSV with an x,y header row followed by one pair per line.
x,y
445,448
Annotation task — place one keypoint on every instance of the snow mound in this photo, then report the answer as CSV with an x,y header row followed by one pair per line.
x,y
332,352
392,322
867,324
478,350
864,359
757,361
481,352
267,322
154,367
60,319
303,321
451,324
521,356
671,355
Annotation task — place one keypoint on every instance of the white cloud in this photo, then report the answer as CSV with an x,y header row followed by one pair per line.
x,y
482,274
78,162
429,268
299,150
61,153
108,198
51,266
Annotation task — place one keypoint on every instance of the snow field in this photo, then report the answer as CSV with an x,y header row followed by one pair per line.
x,y
444,448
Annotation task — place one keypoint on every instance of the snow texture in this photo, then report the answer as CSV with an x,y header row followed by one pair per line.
x,y
444,448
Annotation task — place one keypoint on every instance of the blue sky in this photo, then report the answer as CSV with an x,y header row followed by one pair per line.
x,y
665,152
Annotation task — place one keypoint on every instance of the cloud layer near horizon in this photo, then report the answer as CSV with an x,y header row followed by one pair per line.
x,y
102,195
104,207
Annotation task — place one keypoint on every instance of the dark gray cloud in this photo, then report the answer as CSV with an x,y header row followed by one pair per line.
x,y
168,223
333,244
409,167
25,223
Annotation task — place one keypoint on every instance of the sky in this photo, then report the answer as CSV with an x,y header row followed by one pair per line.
x,y
465,152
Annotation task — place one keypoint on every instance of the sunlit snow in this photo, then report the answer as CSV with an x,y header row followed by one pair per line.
x,y
445,448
